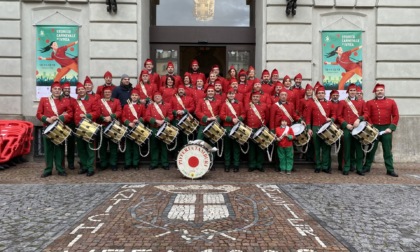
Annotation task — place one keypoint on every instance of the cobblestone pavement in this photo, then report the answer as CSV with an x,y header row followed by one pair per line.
x,y
260,212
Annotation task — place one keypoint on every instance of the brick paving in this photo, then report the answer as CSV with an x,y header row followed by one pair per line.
x,y
141,211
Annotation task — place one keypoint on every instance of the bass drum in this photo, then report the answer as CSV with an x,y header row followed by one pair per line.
x,y
194,161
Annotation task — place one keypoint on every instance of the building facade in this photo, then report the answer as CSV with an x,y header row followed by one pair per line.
x,y
121,41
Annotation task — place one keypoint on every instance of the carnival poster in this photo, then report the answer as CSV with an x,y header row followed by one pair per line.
x,y
342,58
57,54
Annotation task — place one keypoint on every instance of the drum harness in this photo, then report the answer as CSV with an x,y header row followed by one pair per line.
x,y
82,107
161,114
322,111
134,112
232,110
365,148
219,154
110,112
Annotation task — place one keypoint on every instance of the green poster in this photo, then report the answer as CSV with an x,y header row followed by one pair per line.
x,y
342,58
57,54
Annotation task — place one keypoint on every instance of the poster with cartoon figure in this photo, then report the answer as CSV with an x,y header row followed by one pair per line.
x,y
342,58
57,54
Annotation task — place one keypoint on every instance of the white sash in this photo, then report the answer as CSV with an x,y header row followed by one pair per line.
x,y
131,107
180,101
209,107
256,112
143,88
53,107
352,107
285,111
284,132
82,107
231,108
159,110
108,108
321,109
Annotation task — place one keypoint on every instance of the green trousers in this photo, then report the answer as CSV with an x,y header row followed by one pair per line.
x,y
113,148
86,155
386,141
181,139
231,149
255,155
158,150
351,145
53,154
286,158
131,154
322,151
71,144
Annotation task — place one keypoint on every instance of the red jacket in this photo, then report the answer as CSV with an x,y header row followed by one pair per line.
x,y
189,106
382,112
264,98
303,107
267,88
116,110
276,113
285,141
150,90
99,90
196,75
154,78
335,107
252,119
128,117
202,112
168,93
244,88
314,116
345,114
227,116
44,110
198,96
91,107
152,114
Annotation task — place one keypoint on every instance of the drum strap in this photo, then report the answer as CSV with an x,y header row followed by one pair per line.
x,y
231,108
159,110
285,111
321,109
284,132
53,106
131,107
256,112
82,107
108,108
180,101
143,88
352,107
209,107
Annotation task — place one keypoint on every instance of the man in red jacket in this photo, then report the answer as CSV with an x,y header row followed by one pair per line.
x,y
50,109
383,113
153,76
280,108
207,111
181,105
70,141
195,72
170,69
231,113
85,106
108,83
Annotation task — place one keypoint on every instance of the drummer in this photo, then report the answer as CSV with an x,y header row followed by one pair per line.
x,y
109,110
182,105
132,114
283,107
256,117
207,111
157,114
85,106
320,111
231,113
145,87
70,141
50,109
335,100
350,114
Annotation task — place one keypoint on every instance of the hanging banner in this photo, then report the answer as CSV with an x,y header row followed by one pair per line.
x,y
342,57
57,54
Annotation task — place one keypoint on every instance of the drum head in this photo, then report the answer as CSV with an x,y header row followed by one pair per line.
x,y
161,129
258,132
108,128
324,127
298,128
193,161
209,126
358,129
50,127
234,129
183,119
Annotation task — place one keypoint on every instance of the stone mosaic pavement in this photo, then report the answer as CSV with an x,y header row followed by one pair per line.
x,y
161,211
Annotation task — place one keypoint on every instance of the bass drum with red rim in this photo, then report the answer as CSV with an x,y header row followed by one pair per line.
x,y
194,161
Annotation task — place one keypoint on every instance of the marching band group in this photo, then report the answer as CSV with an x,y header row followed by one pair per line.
x,y
233,113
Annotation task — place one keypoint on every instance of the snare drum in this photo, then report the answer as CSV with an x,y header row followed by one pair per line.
x,y
57,132
301,134
139,134
263,137
330,133
194,161
214,131
188,124
167,133
365,133
241,133
87,130
115,131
